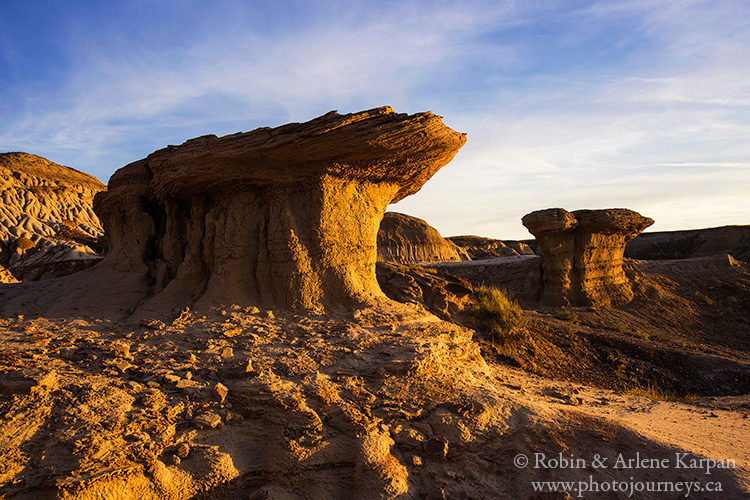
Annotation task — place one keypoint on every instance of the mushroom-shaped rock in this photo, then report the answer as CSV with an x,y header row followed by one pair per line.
x,y
280,217
583,252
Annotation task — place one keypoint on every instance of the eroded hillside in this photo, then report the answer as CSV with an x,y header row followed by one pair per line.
x,y
47,222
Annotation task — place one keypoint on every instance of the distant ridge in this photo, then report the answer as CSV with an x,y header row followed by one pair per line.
x,y
689,243
42,168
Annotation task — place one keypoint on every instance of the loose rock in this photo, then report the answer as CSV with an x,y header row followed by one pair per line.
x,y
209,419
220,392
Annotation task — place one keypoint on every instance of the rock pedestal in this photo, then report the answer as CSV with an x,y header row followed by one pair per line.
x,y
283,217
583,252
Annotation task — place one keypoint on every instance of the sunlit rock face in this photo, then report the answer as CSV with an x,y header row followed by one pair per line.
x,y
47,224
39,197
409,240
583,252
6,276
281,217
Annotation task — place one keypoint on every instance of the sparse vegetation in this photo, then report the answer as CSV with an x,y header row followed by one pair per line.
x,y
501,319
623,328
655,393
702,297
568,315
571,332
641,335
424,269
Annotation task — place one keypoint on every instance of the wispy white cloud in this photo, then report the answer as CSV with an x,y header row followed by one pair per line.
x,y
667,134
715,164
113,89
664,122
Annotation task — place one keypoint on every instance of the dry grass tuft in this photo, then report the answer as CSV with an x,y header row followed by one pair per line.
x,y
567,315
655,393
501,319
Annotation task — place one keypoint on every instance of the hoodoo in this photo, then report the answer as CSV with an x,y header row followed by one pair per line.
x,y
583,252
282,217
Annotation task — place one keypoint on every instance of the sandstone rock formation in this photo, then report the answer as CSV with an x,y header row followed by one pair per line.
x,y
520,275
443,295
583,252
479,247
282,217
384,403
408,240
6,276
43,205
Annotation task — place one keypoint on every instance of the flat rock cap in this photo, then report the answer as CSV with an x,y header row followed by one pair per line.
x,y
608,220
550,219
377,146
619,220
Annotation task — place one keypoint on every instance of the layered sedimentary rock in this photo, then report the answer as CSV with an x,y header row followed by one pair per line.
x,y
443,295
480,248
520,275
38,196
46,214
408,240
583,252
284,216
734,240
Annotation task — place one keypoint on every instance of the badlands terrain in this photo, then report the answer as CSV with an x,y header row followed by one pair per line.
x,y
208,327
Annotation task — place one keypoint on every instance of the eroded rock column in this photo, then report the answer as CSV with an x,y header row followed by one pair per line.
x,y
583,254
284,217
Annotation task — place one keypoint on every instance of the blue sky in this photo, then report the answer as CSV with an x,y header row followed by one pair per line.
x,y
577,104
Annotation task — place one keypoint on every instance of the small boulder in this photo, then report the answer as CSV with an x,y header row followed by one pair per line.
x,y
220,391
23,244
183,450
209,419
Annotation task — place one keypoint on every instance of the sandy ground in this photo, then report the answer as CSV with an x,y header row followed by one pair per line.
x,y
712,427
